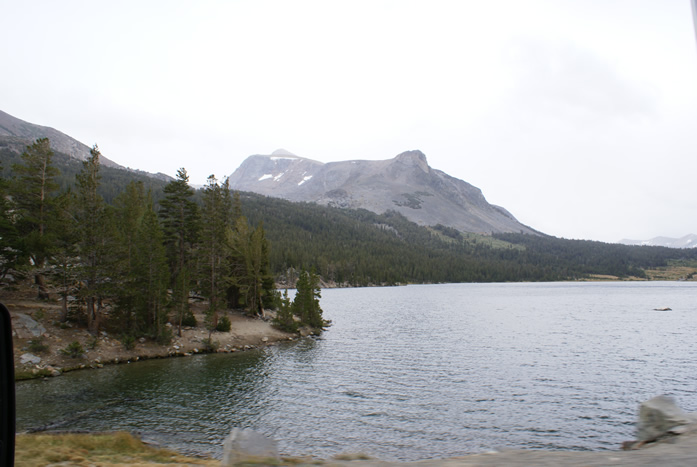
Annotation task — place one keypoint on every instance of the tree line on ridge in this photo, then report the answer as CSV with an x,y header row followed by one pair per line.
x,y
345,247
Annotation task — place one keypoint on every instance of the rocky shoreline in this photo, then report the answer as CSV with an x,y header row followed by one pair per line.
x,y
666,436
40,340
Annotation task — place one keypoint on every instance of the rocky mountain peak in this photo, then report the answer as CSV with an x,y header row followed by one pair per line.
x,y
282,153
413,158
405,184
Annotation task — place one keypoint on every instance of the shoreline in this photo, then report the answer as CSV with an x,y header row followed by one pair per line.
x,y
39,340
673,451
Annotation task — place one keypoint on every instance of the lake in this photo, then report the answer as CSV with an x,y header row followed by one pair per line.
x,y
408,373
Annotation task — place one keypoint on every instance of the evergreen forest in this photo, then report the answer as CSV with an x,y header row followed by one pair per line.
x,y
133,260
144,246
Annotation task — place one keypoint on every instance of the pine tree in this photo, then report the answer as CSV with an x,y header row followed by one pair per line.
x,y
129,211
250,275
11,247
180,219
151,271
306,301
284,319
94,229
215,223
32,192
65,256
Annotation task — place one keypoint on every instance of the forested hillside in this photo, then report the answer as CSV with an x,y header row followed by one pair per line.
x,y
113,181
362,248
358,247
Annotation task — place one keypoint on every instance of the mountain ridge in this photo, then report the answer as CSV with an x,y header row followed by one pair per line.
x,y
688,241
406,184
17,132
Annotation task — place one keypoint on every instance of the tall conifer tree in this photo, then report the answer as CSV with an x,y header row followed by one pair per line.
x,y
250,274
94,230
130,208
306,301
216,219
180,219
153,275
11,252
33,193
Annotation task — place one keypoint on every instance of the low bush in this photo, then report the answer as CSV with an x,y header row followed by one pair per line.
x,y
224,324
37,345
129,342
189,320
73,350
209,345
165,336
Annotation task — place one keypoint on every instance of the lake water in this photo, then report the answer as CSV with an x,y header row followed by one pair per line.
x,y
415,372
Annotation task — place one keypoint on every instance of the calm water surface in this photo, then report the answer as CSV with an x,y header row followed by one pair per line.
x,y
413,372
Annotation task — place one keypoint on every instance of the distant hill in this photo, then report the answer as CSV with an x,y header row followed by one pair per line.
x,y
359,247
16,135
688,241
405,184
16,132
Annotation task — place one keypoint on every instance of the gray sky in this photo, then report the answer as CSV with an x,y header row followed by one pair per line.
x,y
579,117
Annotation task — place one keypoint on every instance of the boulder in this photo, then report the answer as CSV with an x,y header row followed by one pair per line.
x,y
29,358
26,327
660,416
247,443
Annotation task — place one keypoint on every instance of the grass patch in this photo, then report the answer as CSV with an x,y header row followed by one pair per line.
x,y
21,375
676,270
104,449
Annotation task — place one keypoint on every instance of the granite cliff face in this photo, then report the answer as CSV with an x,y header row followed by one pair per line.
x,y
406,184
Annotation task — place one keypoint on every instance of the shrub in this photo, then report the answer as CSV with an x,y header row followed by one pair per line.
x,y
37,345
129,342
73,350
224,324
165,335
209,345
189,319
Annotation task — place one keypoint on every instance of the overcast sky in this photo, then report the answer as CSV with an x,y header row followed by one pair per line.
x,y
579,117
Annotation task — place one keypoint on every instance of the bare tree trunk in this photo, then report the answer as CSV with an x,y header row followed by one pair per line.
x,y
64,309
40,281
92,316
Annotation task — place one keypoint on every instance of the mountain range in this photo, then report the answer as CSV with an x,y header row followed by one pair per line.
x,y
688,241
405,183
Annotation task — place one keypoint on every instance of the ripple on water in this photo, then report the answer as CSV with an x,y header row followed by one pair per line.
x,y
410,373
